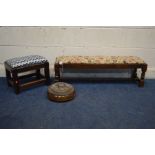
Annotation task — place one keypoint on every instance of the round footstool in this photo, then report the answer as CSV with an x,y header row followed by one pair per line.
x,y
61,92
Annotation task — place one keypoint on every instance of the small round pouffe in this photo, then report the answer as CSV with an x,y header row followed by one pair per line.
x,y
61,92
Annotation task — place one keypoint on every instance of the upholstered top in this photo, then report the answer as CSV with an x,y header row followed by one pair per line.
x,y
99,60
25,61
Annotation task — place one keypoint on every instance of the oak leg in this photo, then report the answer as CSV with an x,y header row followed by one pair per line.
x,y
141,80
16,82
57,72
47,74
8,77
134,74
38,73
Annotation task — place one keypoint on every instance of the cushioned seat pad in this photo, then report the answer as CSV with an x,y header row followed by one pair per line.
x,y
100,60
25,61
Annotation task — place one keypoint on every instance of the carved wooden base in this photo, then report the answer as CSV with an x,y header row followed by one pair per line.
x,y
134,67
15,81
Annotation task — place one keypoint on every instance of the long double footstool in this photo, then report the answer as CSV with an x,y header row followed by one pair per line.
x,y
18,65
102,62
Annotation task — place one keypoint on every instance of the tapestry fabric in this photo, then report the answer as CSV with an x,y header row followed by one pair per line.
x,y
100,59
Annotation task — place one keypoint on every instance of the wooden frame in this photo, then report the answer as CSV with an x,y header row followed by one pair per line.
x,y
13,79
59,67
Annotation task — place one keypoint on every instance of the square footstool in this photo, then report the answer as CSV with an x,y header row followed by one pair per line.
x,y
18,65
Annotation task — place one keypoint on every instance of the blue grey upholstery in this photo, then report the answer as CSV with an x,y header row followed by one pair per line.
x,y
25,61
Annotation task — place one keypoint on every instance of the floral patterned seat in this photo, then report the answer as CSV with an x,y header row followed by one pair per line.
x,y
99,60
102,62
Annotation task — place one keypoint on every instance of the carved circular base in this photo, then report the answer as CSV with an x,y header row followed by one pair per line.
x,y
61,92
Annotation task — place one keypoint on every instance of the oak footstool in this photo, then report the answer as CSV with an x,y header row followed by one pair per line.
x,y
18,65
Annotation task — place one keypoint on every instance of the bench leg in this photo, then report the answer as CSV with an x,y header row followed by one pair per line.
x,y
141,80
16,82
57,72
134,74
8,77
47,74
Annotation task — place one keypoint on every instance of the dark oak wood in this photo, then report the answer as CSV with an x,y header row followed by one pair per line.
x,y
29,84
38,73
47,75
14,80
16,83
59,68
141,79
8,77
27,76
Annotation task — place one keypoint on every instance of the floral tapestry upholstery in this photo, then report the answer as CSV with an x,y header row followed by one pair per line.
x,y
99,60
25,61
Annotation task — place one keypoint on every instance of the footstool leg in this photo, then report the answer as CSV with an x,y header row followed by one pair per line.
x,y
57,72
38,73
8,77
47,76
16,82
141,80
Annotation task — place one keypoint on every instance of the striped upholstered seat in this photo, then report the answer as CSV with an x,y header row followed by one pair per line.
x,y
25,61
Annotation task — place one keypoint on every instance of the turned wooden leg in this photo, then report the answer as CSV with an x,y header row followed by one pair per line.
x,y
57,72
134,74
38,73
8,77
141,80
47,74
16,82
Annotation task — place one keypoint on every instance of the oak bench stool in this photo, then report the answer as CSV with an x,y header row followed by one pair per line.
x,y
18,65
102,62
